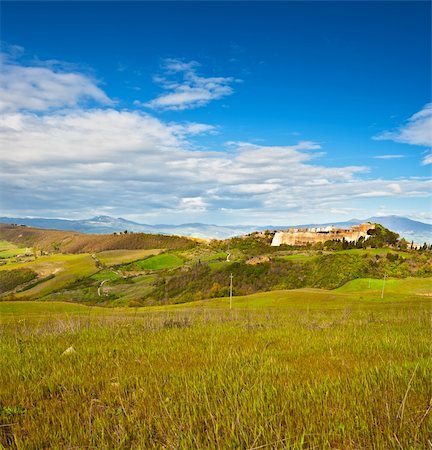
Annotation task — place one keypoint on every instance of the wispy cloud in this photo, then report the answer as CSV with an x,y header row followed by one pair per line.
x,y
389,156
427,159
185,89
416,131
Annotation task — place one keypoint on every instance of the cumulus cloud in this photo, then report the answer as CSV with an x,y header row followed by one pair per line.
x,y
416,131
185,89
35,88
60,159
129,162
87,136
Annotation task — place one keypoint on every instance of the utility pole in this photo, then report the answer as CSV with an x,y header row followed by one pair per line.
x,y
383,286
231,278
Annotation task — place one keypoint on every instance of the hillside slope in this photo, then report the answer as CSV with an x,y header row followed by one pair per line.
x,y
74,242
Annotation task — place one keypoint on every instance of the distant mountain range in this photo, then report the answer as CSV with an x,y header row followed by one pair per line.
x,y
411,230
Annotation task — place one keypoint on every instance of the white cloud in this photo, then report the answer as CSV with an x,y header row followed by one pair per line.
x,y
58,159
86,136
130,162
427,159
193,128
416,131
389,156
186,89
34,88
395,188
192,204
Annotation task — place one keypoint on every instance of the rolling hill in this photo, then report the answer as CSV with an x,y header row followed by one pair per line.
x,y
75,242
412,230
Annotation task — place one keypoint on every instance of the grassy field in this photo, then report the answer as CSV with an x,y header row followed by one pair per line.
x,y
158,262
297,257
6,245
214,256
392,286
65,269
301,369
114,257
8,250
374,251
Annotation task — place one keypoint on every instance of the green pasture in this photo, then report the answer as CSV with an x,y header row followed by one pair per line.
x,y
65,268
146,278
12,252
392,286
108,275
9,250
374,251
116,257
213,256
131,291
217,265
162,261
6,245
296,257
353,293
36,309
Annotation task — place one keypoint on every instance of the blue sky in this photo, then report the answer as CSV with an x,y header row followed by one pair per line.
x,y
228,112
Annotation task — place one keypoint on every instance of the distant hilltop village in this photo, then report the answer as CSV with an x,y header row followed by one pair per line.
x,y
303,236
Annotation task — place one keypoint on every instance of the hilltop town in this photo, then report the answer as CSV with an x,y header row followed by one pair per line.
x,y
304,236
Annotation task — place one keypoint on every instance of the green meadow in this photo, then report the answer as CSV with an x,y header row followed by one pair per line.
x,y
8,250
115,257
158,262
56,271
298,369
